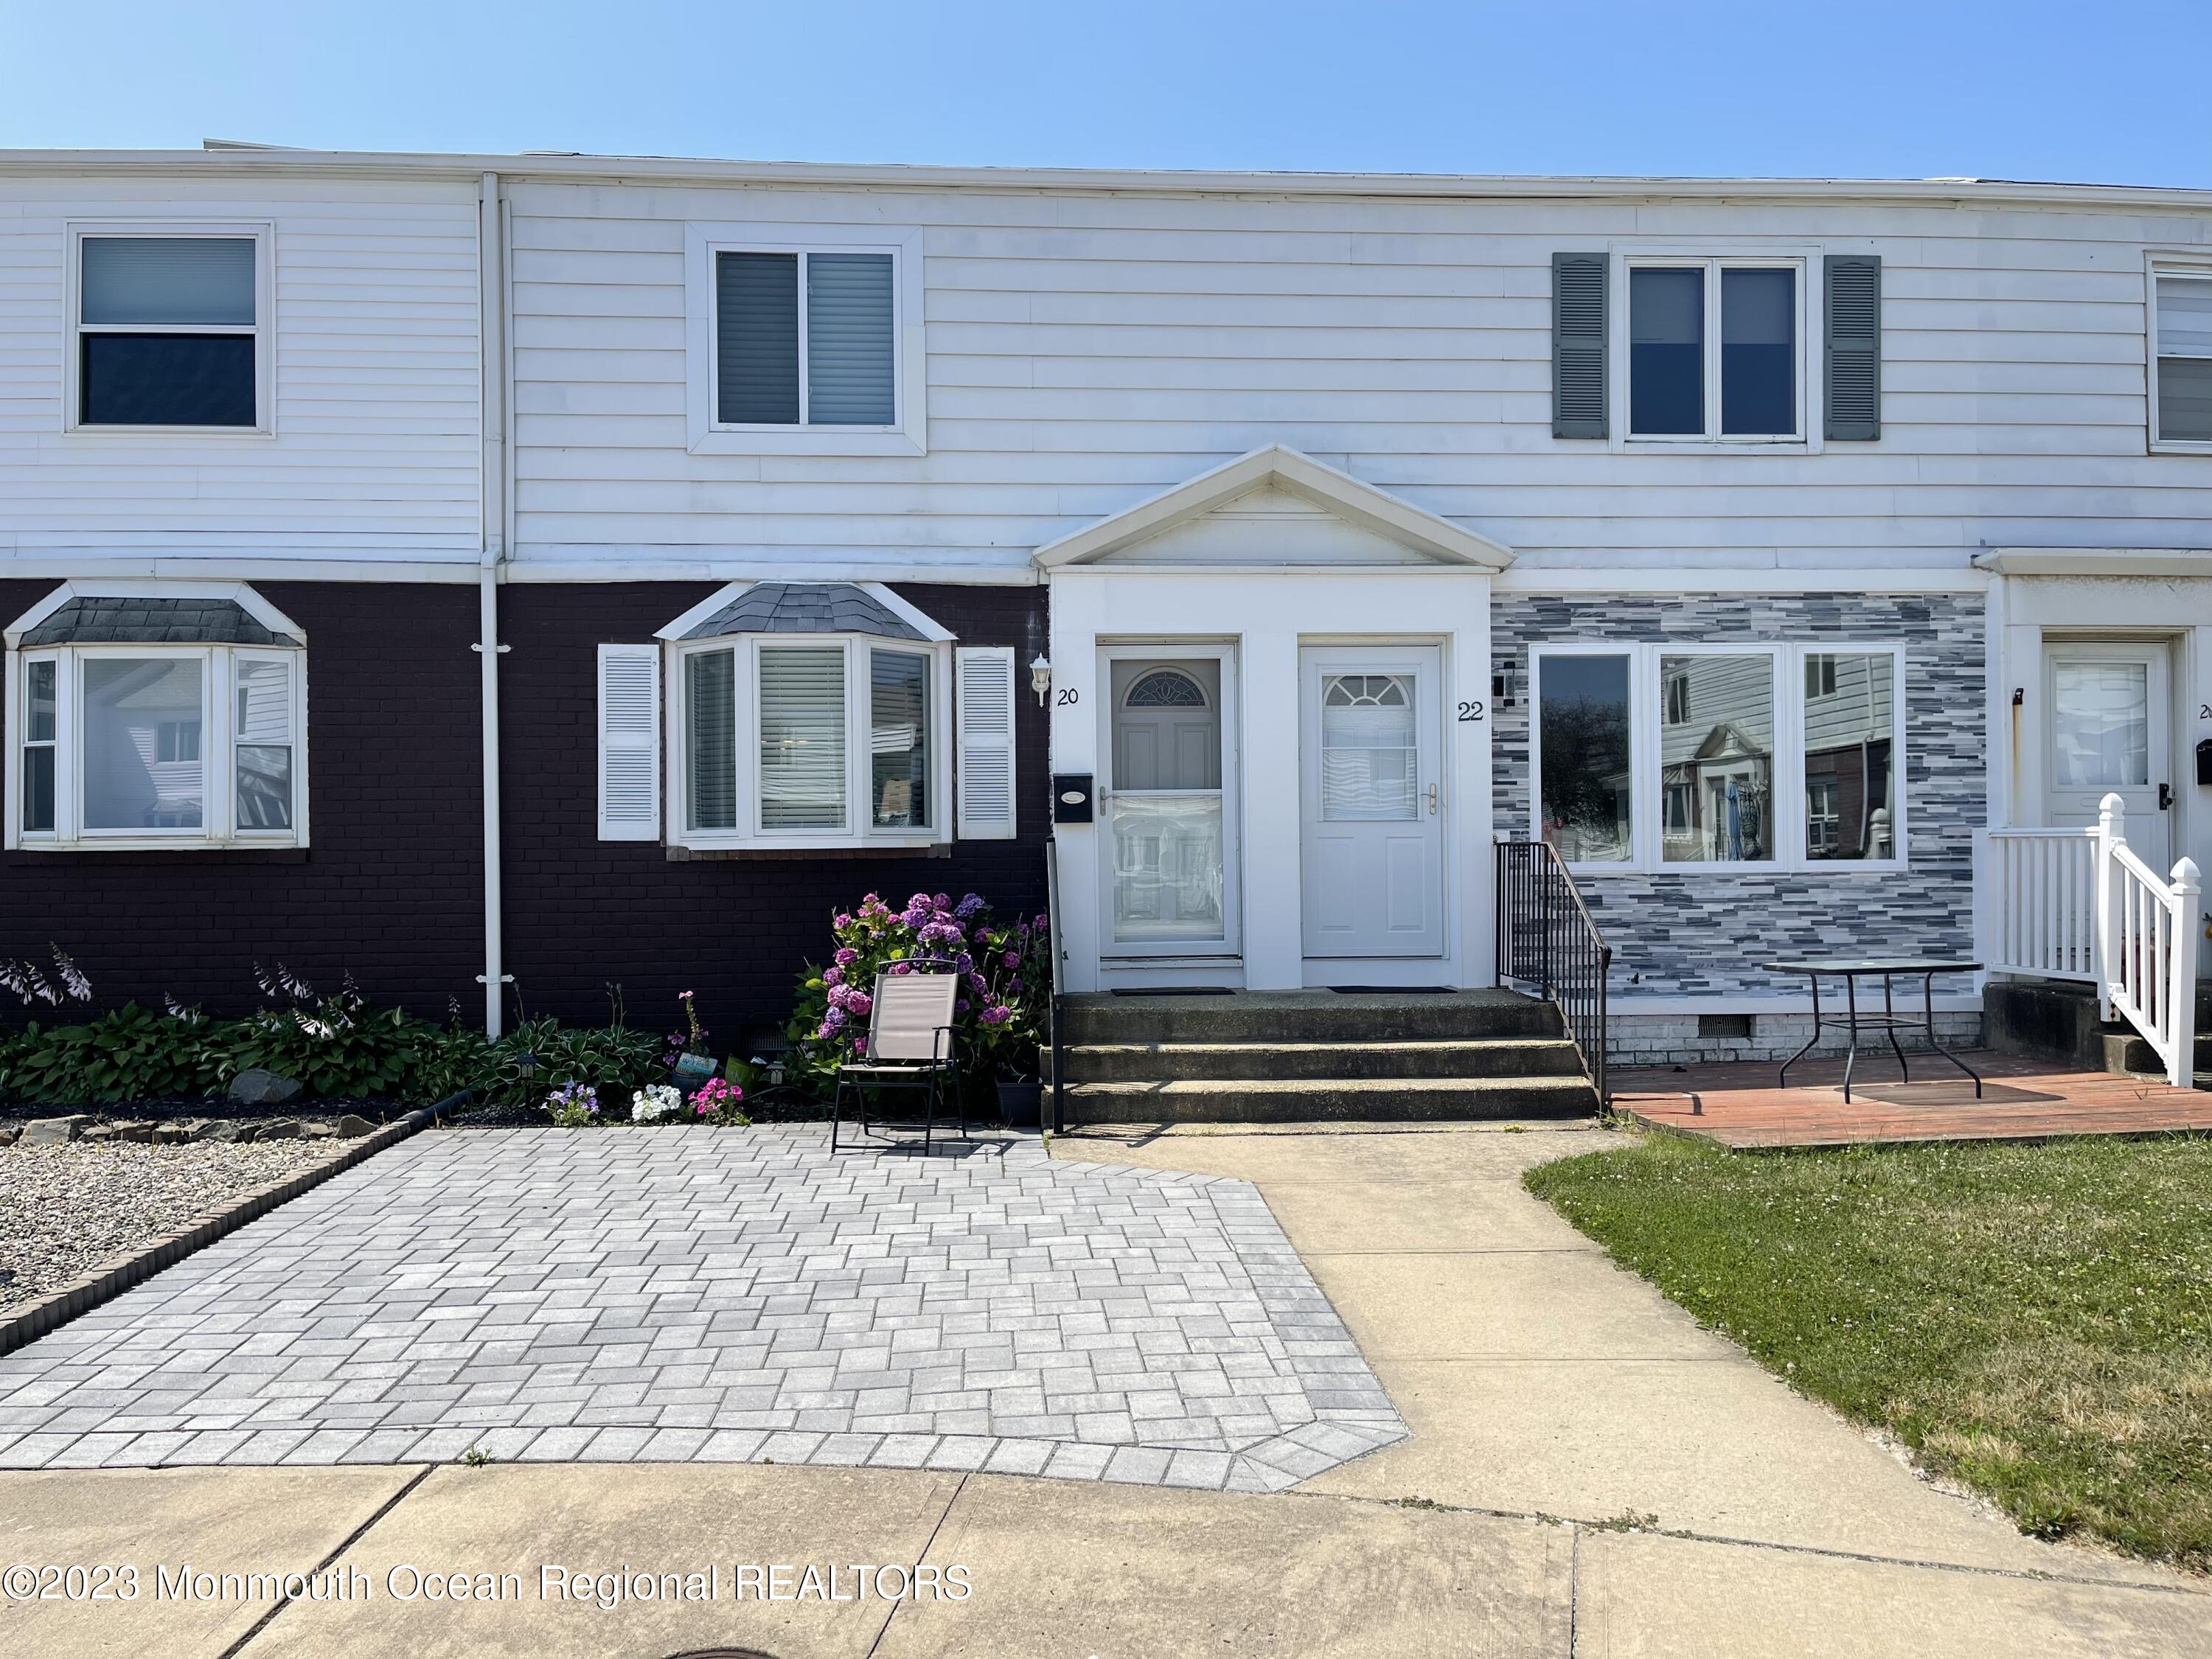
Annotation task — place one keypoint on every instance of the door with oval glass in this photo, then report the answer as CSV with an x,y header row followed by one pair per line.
x,y
1371,727
1168,800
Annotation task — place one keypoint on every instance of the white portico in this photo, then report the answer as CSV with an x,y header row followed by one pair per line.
x,y
1277,678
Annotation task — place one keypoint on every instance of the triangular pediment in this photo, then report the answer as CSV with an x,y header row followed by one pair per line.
x,y
1272,509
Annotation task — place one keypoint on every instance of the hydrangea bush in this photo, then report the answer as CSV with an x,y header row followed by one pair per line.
x,y
1005,969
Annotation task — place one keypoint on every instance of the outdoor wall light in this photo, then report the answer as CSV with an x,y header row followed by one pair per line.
x,y
1041,679
1501,685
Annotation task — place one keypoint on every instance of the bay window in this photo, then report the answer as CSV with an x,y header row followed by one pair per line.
x,y
807,717
1689,756
158,745
796,741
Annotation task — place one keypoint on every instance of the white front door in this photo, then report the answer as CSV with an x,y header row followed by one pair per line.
x,y
1167,802
2107,734
1371,808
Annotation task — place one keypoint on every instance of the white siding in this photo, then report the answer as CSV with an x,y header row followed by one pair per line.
x,y
1084,352
375,453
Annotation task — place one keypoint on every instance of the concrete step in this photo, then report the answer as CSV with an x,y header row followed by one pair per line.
x,y
1263,1017
2128,1051
1160,1062
1367,1100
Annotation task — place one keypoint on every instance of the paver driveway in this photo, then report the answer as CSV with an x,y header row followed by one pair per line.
x,y
705,1294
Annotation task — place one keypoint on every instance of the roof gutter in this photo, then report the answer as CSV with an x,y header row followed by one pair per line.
x,y
599,169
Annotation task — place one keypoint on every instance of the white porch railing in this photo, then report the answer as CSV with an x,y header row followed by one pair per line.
x,y
2042,891
2080,904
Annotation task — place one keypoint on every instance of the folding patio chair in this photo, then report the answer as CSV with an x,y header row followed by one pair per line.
x,y
910,1046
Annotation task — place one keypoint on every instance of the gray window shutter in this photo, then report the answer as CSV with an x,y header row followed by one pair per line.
x,y
1852,306
756,339
849,379
1578,345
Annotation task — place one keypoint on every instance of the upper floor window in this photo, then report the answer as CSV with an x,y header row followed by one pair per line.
x,y
1713,351
805,338
167,331
157,720
2181,329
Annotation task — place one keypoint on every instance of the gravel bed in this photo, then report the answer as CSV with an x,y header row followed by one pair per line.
x,y
64,1209
220,1107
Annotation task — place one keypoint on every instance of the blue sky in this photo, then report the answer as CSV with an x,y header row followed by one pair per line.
x,y
2110,91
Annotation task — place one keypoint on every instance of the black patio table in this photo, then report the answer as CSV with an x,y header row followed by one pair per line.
x,y
1851,970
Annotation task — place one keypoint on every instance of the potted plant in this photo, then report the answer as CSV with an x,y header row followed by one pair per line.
x,y
1021,1100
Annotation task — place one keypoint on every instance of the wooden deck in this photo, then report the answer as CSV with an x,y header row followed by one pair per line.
x,y
1738,1105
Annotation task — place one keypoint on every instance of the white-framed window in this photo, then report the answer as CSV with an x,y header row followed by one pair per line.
x,y
805,340
1671,755
138,746
169,329
810,739
1716,349
2181,356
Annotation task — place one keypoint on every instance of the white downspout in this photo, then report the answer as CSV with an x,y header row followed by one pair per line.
x,y
492,490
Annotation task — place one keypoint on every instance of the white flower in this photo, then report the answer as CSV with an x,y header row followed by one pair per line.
x,y
658,1100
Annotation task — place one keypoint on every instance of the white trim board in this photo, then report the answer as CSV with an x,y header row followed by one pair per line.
x,y
221,159
2096,562
1762,579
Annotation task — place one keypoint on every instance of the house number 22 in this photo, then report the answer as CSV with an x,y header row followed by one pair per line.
x,y
1471,711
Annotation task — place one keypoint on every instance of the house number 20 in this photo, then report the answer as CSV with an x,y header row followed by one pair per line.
x,y
1471,711
1067,696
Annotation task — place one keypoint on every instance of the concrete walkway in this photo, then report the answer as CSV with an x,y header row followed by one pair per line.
x,y
1588,1475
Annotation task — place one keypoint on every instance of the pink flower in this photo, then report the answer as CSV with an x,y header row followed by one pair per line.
x,y
847,957
1012,959
858,1002
832,977
997,1014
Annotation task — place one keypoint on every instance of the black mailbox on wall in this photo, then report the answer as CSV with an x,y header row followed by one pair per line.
x,y
1071,797
2204,762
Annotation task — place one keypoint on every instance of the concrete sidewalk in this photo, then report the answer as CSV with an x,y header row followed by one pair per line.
x,y
1588,1474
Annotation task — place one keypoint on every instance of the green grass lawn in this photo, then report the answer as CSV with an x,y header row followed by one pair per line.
x,y
2034,1320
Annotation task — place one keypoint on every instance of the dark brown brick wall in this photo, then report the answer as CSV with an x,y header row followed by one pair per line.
x,y
582,913
393,885
391,890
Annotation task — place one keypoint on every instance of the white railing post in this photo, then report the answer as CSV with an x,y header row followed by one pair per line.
x,y
2112,832
2181,1072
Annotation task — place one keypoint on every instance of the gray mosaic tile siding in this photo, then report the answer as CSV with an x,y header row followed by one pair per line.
x,y
1703,932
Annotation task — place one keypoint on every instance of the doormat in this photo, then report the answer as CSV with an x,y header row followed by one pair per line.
x,y
1948,1092
1395,990
1172,991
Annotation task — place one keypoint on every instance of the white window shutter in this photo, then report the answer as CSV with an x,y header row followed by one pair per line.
x,y
629,743
985,694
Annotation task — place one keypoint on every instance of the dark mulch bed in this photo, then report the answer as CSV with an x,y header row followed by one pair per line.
x,y
216,1107
783,1105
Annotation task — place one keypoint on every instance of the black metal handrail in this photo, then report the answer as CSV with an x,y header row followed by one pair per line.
x,y
1548,941
1052,944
